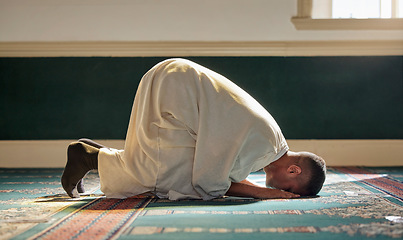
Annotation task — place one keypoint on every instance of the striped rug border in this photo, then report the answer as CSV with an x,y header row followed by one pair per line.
x,y
96,220
381,182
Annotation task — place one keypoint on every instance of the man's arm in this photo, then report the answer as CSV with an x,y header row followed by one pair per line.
x,y
248,189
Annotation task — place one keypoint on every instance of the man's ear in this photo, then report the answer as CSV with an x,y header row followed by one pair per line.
x,y
294,169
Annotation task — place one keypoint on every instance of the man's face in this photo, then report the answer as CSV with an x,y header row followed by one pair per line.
x,y
283,180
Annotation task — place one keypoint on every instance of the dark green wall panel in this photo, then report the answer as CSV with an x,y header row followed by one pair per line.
x,y
310,97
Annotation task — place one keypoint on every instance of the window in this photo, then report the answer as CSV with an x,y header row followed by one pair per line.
x,y
357,9
349,14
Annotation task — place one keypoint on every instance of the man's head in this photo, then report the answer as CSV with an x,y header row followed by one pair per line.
x,y
303,173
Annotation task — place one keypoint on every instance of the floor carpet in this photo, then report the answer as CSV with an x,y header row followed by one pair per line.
x,y
355,203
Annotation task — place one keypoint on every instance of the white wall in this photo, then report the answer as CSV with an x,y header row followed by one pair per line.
x,y
162,20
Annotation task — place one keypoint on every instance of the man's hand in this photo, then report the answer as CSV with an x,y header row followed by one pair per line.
x,y
247,189
277,193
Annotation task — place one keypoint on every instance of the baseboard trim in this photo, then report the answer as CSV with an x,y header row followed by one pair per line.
x,y
52,153
354,152
193,48
40,153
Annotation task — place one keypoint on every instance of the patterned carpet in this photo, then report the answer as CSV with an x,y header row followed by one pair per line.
x,y
355,203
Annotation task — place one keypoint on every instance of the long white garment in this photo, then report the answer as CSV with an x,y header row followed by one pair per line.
x,y
191,133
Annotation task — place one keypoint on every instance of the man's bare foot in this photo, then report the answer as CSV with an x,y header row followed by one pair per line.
x,y
81,158
80,186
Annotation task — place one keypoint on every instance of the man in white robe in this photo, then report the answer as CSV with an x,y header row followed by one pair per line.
x,y
193,134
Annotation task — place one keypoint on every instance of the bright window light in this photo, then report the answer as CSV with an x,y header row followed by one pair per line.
x,y
355,9
399,8
386,9
367,8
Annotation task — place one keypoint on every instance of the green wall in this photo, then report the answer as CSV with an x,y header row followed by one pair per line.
x,y
310,97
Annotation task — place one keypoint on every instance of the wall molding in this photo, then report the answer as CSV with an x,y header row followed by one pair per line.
x,y
180,48
52,153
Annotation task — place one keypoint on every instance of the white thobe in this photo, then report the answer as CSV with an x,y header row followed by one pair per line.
x,y
191,133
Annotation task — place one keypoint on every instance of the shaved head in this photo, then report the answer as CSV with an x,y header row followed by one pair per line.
x,y
314,172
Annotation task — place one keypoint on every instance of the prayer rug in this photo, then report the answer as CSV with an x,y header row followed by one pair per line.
x,y
355,203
